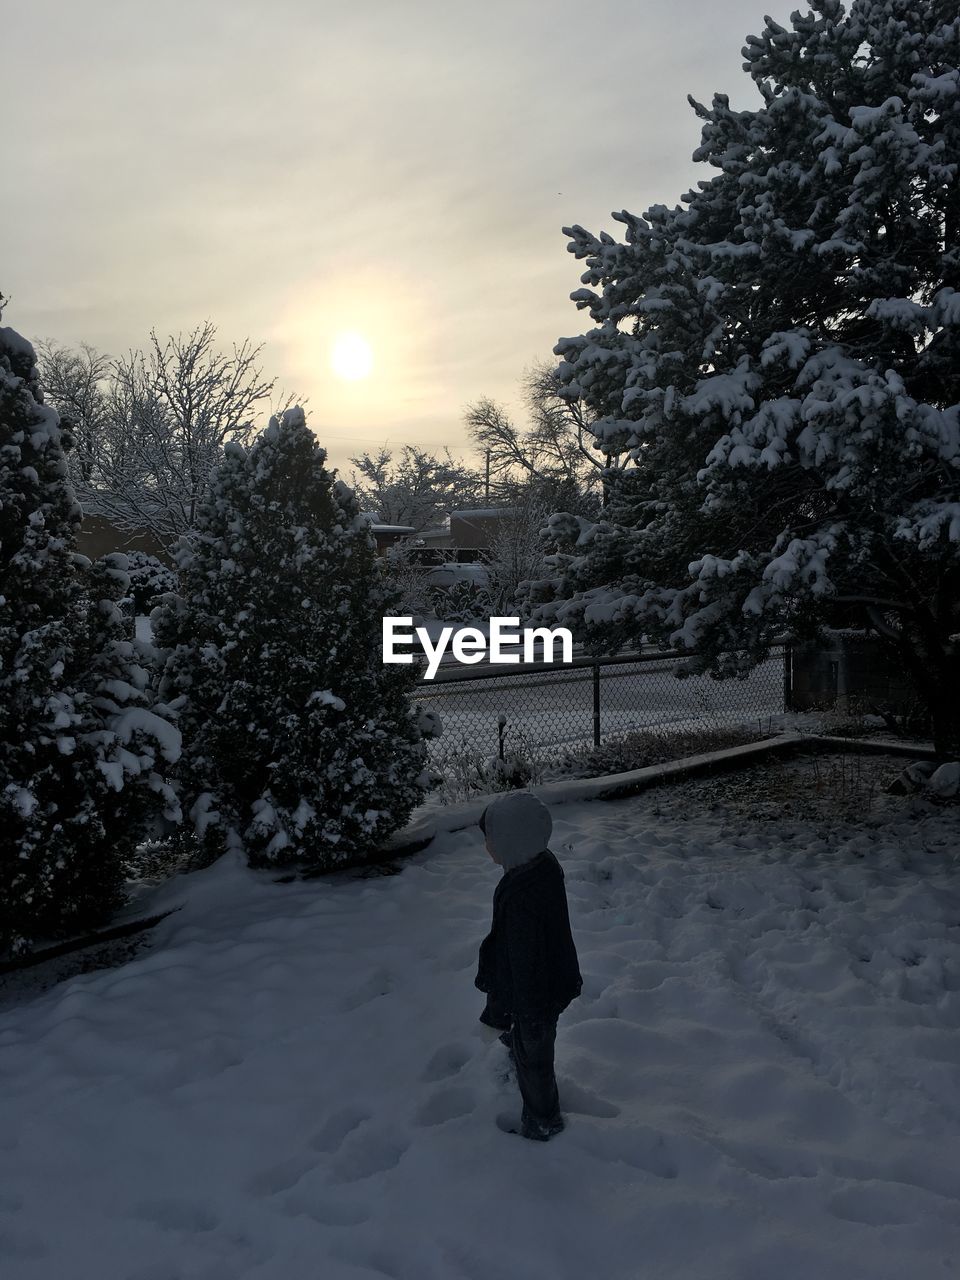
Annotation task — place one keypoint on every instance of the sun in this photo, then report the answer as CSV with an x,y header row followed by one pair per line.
x,y
351,357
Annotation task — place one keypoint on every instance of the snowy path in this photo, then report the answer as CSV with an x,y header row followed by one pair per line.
x,y
760,1078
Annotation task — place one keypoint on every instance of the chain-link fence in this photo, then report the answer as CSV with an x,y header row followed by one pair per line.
x,y
592,701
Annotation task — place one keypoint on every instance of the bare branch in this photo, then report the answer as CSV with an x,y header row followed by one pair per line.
x,y
153,423
417,489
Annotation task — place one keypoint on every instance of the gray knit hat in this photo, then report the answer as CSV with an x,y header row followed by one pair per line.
x,y
517,826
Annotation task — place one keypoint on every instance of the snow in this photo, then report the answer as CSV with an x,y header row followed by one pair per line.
x,y
326,698
112,770
203,813
16,343
377,526
759,1079
140,720
945,781
448,575
24,801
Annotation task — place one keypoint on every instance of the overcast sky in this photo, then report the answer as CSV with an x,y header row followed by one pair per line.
x,y
291,169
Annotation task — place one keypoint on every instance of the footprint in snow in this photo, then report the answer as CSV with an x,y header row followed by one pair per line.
x,y
372,1262
463,956
175,1214
579,1101
767,1161
873,1206
445,1062
280,1177
444,1105
508,1121
640,1148
337,1127
328,1213
379,983
368,1152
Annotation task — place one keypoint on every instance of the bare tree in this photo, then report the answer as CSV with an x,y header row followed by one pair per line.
x,y
155,422
416,489
517,548
556,448
76,383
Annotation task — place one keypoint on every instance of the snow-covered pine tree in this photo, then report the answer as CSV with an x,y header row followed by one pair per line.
x,y
781,353
83,747
300,746
149,578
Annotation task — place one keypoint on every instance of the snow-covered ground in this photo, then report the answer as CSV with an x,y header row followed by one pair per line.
x,y
760,1077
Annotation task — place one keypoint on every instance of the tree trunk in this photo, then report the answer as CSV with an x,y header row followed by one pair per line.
x,y
945,712
937,678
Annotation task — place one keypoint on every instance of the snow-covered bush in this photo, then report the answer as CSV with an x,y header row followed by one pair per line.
x,y
149,578
463,769
780,354
300,745
517,550
408,578
461,602
937,782
509,772
84,747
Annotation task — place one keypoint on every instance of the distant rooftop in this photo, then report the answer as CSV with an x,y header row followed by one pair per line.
x,y
483,513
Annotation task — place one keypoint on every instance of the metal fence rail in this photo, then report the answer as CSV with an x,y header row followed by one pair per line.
x,y
591,701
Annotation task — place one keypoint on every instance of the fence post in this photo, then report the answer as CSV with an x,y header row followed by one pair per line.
x,y
596,704
787,678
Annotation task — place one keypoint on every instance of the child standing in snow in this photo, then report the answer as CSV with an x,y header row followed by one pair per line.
x,y
528,962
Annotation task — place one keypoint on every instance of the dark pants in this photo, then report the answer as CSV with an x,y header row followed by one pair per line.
x,y
531,1043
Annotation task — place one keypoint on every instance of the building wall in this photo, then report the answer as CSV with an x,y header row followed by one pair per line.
x,y
98,537
477,529
851,667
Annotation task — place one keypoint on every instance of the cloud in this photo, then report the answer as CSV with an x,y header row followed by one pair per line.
x,y
404,166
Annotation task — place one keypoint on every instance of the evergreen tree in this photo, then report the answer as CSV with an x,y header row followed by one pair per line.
x,y
781,355
149,578
300,746
83,747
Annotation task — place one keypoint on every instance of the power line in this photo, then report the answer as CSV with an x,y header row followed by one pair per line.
x,y
357,439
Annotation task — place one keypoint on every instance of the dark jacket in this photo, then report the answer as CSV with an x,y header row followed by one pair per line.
x,y
528,960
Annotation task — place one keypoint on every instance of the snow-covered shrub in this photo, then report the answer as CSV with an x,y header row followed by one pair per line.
x,y
84,747
461,602
149,578
300,745
509,772
408,578
464,770
944,782
429,723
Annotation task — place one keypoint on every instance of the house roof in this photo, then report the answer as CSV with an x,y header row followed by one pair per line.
x,y
483,513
